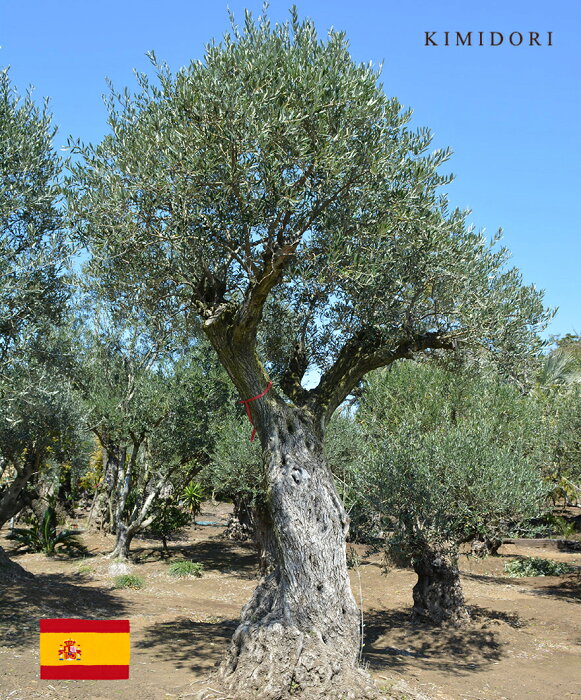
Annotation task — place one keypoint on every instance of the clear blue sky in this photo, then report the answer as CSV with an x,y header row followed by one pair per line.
x,y
509,113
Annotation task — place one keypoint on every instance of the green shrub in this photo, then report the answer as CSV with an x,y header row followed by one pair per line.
x,y
128,581
182,569
169,519
85,569
536,566
43,536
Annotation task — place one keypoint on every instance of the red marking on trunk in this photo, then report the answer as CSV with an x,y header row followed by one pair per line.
x,y
247,401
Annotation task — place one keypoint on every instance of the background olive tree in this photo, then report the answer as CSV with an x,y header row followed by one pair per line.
x,y
148,402
453,456
39,413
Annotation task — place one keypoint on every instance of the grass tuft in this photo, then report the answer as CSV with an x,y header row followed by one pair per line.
x,y
183,569
128,581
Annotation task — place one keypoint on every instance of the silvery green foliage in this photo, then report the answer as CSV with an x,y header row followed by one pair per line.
x,y
33,252
39,413
278,155
558,391
452,455
235,469
345,444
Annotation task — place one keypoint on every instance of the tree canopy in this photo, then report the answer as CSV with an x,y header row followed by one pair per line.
x,y
274,180
33,248
37,410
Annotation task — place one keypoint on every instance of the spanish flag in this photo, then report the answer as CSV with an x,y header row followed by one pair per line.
x,y
84,649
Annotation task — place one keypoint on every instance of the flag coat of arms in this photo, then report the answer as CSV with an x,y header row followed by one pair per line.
x,y
84,649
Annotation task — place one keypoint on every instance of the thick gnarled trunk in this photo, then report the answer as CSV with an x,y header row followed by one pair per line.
x,y
438,595
241,523
299,634
12,498
486,547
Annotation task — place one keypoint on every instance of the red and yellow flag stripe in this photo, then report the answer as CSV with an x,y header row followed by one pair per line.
x,y
102,649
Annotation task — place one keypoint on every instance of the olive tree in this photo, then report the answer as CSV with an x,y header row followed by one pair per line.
x,y
36,405
558,391
33,249
274,185
453,456
234,473
41,420
148,404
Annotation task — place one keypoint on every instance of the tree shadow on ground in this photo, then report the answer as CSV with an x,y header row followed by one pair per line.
x,y
186,643
484,615
219,555
568,591
24,602
496,580
393,641
59,555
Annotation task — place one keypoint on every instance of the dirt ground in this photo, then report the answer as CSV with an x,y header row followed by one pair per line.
x,y
523,642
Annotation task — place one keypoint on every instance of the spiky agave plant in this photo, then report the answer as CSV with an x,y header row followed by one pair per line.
x,y
192,497
43,537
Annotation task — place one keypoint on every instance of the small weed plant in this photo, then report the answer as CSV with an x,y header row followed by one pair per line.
x,y
128,581
536,566
85,569
183,569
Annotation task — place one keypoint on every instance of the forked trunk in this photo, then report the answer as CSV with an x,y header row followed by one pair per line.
x,y
438,595
123,542
299,633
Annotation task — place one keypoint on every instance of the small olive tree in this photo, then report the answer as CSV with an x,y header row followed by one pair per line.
x,y
148,404
452,457
41,419
274,185
235,473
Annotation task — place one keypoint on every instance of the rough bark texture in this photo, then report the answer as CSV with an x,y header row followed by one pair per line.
x,y
241,523
299,633
13,506
102,505
438,595
12,498
486,547
123,543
